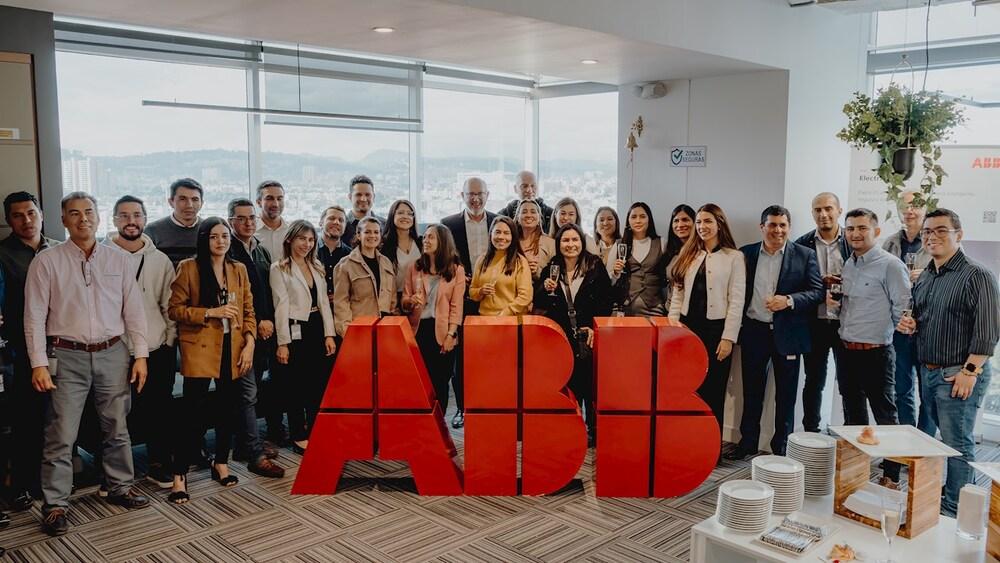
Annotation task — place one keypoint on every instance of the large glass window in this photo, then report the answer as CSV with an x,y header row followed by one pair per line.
x,y
957,26
469,135
112,145
316,165
577,153
417,140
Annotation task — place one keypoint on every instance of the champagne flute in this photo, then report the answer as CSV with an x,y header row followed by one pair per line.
x,y
911,261
908,309
892,511
622,251
554,276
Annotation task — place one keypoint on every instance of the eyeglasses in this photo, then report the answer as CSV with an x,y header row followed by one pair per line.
x,y
939,232
244,219
132,216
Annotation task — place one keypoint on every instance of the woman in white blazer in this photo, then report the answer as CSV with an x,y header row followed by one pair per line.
x,y
304,324
709,278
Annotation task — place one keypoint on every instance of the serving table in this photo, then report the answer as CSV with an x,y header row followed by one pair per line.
x,y
712,542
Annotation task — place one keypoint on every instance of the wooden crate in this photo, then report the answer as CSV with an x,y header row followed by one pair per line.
x,y
923,497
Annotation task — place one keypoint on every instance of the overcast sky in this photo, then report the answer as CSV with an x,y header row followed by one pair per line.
x,y
101,114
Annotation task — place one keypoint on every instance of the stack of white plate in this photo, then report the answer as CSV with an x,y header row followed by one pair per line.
x,y
745,506
818,453
786,476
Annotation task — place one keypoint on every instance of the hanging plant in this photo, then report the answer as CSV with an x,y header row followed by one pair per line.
x,y
897,123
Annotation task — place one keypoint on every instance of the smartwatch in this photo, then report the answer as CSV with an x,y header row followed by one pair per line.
x,y
971,368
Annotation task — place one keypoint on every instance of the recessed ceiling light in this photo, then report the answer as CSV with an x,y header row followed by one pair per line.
x,y
589,61
383,29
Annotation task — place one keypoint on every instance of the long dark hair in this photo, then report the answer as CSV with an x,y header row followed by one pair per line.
x,y
585,262
650,228
553,227
694,244
445,258
390,238
618,224
674,242
513,252
208,286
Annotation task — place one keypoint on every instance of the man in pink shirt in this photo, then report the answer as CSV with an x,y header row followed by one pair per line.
x,y
80,299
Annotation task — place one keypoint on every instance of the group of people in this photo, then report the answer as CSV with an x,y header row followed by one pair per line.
x,y
257,307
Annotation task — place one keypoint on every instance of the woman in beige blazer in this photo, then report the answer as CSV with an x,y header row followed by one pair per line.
x,y
709,278
303,322
537,246
213,307
365,281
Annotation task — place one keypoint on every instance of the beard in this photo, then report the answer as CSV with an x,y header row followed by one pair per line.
x,y
130,238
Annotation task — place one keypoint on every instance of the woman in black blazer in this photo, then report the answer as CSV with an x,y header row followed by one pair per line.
x,y
583,281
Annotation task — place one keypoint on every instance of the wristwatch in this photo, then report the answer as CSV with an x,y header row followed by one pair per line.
x,y
453,334
971,369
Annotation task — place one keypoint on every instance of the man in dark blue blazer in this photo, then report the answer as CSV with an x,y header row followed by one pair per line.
x,y
783,289
471,231
830,244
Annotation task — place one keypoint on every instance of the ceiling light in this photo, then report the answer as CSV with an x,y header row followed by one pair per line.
x,y
589,61
383,29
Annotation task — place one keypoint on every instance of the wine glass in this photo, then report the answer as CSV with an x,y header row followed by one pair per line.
x,y
908,308
892,512
554,276
622,251
911,261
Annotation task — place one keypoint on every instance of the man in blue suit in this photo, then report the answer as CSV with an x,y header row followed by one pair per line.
x,y
783,289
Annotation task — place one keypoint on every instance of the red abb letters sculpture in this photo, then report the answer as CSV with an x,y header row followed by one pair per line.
x,y
656,436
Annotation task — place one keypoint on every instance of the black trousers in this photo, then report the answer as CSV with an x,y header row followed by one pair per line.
x,y
470,308
758,350
824,339
581,383
713,389
440,367
305,377
270,403
28,423
871,375
153,405
228,407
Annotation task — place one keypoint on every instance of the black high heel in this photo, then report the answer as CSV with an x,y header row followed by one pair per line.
x,y
179,497
228,481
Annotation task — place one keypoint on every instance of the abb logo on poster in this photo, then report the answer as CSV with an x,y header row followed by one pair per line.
x,y
655,436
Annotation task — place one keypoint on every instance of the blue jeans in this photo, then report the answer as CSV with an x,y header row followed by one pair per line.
x,y
956,419
906,368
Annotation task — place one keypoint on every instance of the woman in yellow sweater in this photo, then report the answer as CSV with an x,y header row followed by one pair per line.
x,y
501,279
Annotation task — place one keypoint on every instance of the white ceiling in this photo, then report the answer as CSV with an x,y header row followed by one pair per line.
x,y
427,30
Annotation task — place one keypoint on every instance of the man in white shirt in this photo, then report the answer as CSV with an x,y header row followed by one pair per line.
x,y
470,228
81,298
827,239
272,228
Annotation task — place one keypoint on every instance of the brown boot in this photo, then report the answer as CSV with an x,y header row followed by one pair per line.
x,y
266,468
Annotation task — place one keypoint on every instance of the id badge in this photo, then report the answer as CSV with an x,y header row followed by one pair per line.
x,y
296,332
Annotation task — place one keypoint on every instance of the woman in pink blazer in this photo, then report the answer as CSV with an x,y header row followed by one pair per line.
x,y
433,297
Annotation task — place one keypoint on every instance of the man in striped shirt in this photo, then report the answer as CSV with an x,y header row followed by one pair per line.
x,y
956,318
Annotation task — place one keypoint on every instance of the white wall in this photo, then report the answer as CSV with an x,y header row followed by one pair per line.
x,y
741,118
822,50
